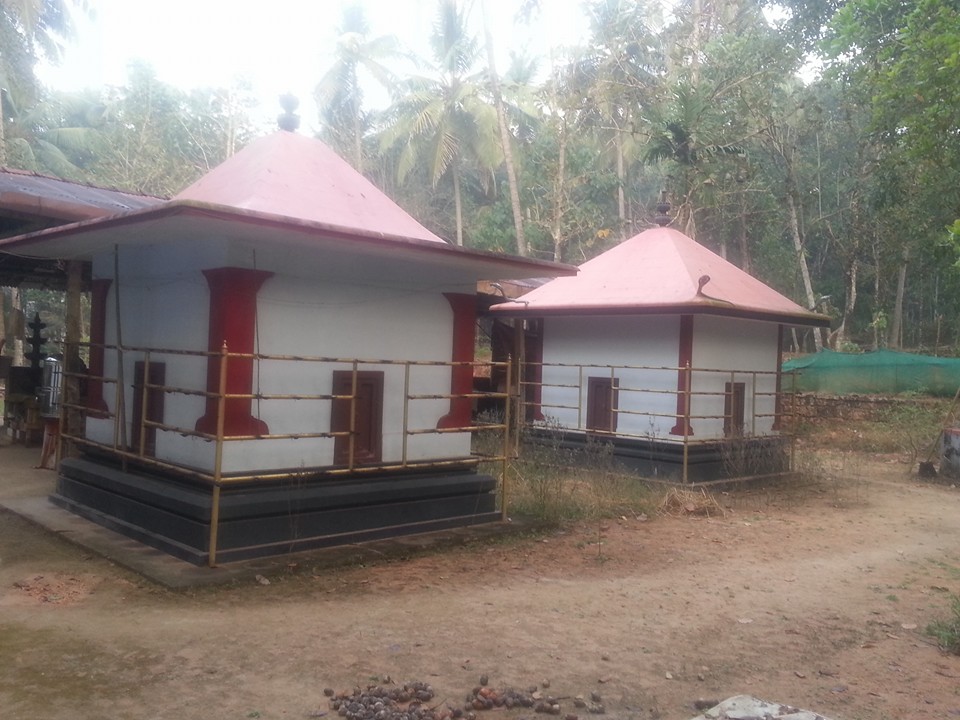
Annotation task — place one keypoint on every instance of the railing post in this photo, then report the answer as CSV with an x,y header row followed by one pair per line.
x,y
793,420
218,459
351,441
507,434
686,423
580,421
144,409
614,407
120,413
406,412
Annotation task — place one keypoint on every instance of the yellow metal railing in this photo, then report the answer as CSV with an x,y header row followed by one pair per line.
x,y
497,452
761,387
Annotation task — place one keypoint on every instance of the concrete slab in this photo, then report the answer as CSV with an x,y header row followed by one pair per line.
x,y
24,490
174,573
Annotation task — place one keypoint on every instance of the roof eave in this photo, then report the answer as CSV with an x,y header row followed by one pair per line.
x,y
517,308
531,267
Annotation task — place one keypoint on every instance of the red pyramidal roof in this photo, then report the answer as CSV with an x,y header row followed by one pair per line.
x,y
290,193
660,270
293,176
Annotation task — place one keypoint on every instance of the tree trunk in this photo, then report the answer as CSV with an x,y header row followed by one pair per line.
x,y
457,203
896,322
743,240
841,333
559,193
621,179
802,262
357,131
875,325
505,138
696,39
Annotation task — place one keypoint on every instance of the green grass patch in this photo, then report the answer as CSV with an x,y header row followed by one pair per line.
x,y
947,631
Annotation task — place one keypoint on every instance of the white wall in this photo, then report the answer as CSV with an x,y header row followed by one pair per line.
x,y
165,303
740,348
647,399
597,342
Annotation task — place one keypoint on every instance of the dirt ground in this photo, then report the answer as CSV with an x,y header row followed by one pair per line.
x,y
817,597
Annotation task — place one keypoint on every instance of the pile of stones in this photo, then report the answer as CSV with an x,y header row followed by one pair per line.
x,y
377,702
412,702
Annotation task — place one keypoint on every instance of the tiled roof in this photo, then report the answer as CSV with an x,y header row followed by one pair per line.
x,y
659,270
54,200
293,176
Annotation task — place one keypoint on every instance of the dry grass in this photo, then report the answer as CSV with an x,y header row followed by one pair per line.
x,y
679,502
554,483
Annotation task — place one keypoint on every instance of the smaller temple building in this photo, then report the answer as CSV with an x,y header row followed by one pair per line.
x,y
665,350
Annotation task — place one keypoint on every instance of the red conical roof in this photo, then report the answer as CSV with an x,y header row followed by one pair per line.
x,y
660,270
297,177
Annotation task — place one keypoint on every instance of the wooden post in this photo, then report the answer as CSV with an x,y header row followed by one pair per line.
x,y
218,460
686,425
144,406
352,440
406,411
508,451
71,417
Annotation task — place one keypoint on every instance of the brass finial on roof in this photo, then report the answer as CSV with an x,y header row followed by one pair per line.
x,y
289,120
662,218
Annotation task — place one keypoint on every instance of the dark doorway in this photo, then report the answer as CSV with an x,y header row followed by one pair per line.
x,y
368,417
733,408
154,409
602,399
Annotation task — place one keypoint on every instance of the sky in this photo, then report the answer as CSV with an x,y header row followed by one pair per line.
x,y
279,45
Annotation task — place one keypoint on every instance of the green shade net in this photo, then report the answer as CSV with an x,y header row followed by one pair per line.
x,y
881,372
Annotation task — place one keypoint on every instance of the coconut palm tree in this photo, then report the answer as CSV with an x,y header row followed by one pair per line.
x,y
444,120
61,135
504,132
28,29
339,93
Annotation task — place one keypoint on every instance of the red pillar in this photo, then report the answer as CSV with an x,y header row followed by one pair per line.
x,y
233,321
461,378
98,335
778,400
685,360
534,368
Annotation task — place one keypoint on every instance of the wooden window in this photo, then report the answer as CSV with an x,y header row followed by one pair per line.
x,y
602,399
367,408
733,409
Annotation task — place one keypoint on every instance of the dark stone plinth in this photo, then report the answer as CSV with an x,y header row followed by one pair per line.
x,y
657,459
258,520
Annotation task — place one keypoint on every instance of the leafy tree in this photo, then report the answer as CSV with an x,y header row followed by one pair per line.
x,y
900,60
619,77
339,93
60,136
444,120
28,29
505,138
160,139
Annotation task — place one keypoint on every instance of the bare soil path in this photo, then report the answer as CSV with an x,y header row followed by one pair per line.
x,y
818,598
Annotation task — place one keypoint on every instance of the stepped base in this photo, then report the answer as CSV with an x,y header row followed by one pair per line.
x,y
173,514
